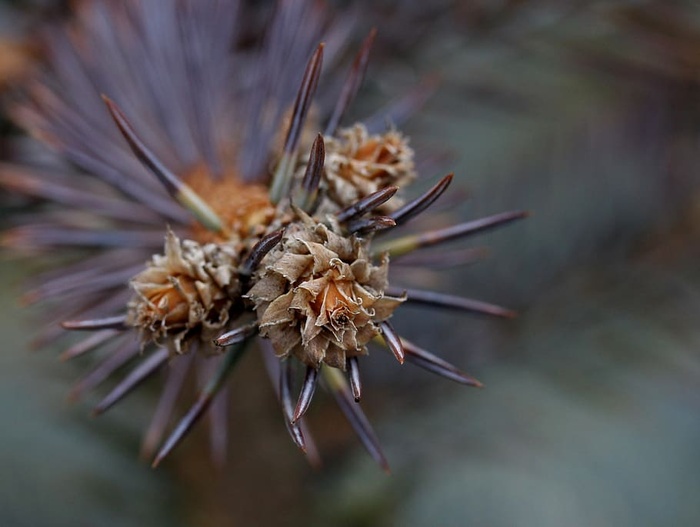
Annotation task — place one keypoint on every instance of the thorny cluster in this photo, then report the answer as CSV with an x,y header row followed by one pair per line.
x,y
272,228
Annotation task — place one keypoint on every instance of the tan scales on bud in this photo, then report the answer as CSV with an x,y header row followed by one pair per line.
x,y
187,291
320,298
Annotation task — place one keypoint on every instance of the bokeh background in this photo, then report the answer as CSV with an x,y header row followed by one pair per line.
x,y
585,113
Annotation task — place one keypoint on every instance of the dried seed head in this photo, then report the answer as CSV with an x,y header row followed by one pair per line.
x,y
358,164
186,292
320,298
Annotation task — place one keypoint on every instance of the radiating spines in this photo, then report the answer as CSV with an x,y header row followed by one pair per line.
x,y
418,205
338,386
306,393
352,84
282,178
366,205
117,322
307,193
429,362
180,191
412,242
237,335
353,368
259,251
139,374
447,301
204,400
393,341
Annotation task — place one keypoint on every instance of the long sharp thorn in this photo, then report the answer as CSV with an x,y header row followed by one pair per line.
x,y
306,394
431,363
88,344
368,225
393,341
200,406
366,204
312,176
236,336
132,380
407,244
118,322
433,298
113,361
299,432
177,372
285,393
281,180
180,191
352,84
264,246
354,377
418,205
338,386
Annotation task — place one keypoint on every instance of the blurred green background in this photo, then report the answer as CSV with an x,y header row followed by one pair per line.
x,y
585,113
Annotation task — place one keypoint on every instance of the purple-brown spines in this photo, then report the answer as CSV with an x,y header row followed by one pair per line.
x,y
314,278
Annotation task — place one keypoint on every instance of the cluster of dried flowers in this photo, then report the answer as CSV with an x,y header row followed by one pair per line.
x,y
159,134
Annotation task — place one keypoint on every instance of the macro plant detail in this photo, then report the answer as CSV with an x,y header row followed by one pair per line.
x,y
216,212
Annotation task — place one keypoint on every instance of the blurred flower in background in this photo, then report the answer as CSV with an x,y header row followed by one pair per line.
x,y
585,114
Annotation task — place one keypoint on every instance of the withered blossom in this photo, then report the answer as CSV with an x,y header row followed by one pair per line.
x,y
189,290
167,122
359,163
320,298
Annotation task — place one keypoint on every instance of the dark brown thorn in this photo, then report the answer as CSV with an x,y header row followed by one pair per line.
x,y
281,180
352,84
338,386
433,298
181,192
118,323
426,360
299,432
312,176
366,204
352,365
410,243
303,100
392,340
236,336
307,392
201,404
285,393
132,380
418,205
88,344
368,225
264,246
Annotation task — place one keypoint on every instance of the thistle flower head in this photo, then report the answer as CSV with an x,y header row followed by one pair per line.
x,y
320,298
189,139
188,291
359,163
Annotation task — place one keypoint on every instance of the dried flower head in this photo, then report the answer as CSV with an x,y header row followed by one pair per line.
x,y
186,292
359,163
320,298
178,125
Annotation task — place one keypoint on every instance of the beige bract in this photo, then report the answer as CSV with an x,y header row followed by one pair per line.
x,y
187,291
320,298
359,163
